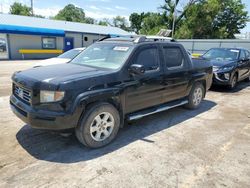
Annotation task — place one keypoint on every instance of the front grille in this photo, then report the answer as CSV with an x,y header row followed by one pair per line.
x,y
22,93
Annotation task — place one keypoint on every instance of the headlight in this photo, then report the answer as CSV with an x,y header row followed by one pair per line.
x,y
51,96
226,68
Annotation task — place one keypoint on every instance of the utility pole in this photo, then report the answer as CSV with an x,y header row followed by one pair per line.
x,y
32,8
174,19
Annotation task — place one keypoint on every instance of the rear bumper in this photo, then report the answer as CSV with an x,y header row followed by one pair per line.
x,y
42,119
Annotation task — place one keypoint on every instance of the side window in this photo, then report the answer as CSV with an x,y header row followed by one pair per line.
x,y
173,57
148,57
242,54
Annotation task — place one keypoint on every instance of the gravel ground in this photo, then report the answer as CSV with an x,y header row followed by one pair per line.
x,y
208,147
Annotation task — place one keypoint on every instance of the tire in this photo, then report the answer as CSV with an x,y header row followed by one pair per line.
x,y
98,126
196,96
233,82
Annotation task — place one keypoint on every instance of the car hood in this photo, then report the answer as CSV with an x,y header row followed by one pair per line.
x,y
221,63
50,77
52,61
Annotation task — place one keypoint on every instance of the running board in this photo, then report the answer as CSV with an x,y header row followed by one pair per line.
x,y
143,113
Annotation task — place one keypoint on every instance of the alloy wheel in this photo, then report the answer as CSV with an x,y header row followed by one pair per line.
x,y
197,97
102,126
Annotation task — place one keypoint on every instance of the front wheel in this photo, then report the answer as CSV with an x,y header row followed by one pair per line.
x,y
196,96
233,82
99,125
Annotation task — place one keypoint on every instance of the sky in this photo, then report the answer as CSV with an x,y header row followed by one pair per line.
x,y
99,9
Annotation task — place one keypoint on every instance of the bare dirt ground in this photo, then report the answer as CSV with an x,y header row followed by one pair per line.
x,y
208,147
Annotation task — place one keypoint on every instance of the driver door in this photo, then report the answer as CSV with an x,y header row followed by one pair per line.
x,y
146,89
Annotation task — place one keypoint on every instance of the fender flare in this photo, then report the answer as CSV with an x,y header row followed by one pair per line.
x,y
91,96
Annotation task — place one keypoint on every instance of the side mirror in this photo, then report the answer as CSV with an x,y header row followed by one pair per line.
x,y
137,69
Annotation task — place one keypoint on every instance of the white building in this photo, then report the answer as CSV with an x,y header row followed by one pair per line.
x,y
44,38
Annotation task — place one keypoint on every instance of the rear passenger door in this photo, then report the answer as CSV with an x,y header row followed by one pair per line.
x,y
243,65
246,65
177,74
248,61
146,92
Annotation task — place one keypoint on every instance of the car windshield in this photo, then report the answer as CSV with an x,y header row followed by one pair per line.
x,y
70,54
104,55
222,54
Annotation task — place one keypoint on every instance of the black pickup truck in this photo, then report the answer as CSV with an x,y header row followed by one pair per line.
x,y
113,81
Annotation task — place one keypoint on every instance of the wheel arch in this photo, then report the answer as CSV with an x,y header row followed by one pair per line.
x,y
111,97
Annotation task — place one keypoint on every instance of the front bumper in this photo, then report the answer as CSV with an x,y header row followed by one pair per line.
x,y
43,119
222,78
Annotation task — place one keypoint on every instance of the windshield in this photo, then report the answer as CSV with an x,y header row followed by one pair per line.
x,y
222,54
104,55
70,54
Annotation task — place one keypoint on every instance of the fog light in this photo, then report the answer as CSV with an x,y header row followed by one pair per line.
x,y
227,76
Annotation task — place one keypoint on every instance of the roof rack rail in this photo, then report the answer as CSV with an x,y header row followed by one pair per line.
x,y
103,38
141,38
153,38
109,36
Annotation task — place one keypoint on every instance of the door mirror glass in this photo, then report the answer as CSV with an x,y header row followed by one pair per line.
x,y
137,69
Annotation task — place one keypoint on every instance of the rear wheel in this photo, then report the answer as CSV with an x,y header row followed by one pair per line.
x,y
196,96
233,82
99,125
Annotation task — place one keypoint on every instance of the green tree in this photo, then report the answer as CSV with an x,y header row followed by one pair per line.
x,y
144,23
121,22
103,22
152,23
213,19
198,20
89,20
71,13
136,21
169,9
231,18
147,23
20,9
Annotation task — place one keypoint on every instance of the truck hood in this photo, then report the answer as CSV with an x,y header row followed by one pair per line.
x,y
52,61
51,76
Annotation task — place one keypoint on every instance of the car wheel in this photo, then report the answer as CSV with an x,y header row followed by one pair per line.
x,y
196,96
233,82
98,126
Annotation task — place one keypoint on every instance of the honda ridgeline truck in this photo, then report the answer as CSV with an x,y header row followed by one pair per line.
x,y
113,81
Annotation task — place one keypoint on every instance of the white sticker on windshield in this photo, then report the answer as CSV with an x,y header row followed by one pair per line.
x,y
234,50
121,48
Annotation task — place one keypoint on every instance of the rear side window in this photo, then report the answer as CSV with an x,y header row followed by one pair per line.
x,y
173,57
148,57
